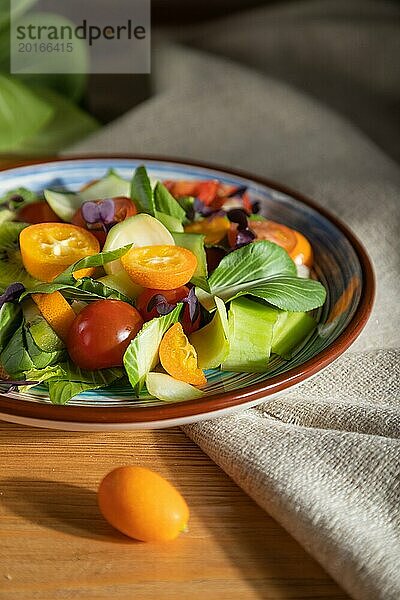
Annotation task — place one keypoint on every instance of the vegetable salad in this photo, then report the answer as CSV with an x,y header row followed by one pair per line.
x,y
147,285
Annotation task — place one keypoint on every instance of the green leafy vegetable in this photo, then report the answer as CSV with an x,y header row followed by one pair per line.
x,y
11,267
74,381
141,355
41,375
290,293
96,260
251,327
243,267
166,388
211,342
195,243
85,289
10,320
141,192
266,271
15,358
62,391
166,203
171,223
39,357
42,334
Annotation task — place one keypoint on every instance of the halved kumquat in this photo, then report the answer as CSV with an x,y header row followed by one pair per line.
x,y
179,358
47,249
159,267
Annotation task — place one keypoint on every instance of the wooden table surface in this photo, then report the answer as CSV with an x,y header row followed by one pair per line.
x,y
54,543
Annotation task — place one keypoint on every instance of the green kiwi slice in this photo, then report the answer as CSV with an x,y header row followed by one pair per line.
x,y
11,268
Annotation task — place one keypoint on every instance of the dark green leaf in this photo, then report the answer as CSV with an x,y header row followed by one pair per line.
x,y
75,381
96,260
167,204
10,320
290,293
85,289
141,192
246,265
15,357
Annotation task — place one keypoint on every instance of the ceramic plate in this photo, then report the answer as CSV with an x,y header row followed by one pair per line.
x,y
341,264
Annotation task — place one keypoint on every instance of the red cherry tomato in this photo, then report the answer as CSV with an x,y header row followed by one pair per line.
x,y
37,212
101,333
172,297
124,208
268,230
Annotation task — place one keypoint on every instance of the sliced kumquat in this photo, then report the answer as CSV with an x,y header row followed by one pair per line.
x,y
179,358
214,228
159,267
57,312
47,249
302,253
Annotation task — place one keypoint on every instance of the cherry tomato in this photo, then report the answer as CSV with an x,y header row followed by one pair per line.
x,y
124,208
172,297
268,230
295,244
37,212
101,333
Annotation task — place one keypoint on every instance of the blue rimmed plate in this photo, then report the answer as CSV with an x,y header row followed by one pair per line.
x,y
341,264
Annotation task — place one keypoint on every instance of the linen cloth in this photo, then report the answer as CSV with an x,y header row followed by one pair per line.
x,y
323,460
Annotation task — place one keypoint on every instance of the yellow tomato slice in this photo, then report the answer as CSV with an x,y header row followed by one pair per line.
x,y
159,267
274,232
47,249
294,242
179,358
302,253
214,228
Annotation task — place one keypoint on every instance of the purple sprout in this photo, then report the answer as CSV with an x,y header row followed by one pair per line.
x,y
160,303
244,234
163,307
100,212
193,304
12,293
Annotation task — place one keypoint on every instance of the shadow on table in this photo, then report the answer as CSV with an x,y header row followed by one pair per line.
x,y
272,563
71,509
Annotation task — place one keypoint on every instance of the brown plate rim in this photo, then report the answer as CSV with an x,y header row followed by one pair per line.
x,y
225,400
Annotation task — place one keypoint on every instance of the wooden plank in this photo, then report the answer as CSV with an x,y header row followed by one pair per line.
x,y
54,543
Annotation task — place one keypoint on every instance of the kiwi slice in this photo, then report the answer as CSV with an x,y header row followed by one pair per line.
x,y
11,268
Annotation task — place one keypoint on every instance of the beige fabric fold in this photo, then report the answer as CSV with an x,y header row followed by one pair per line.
x,y
327,469
323,460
